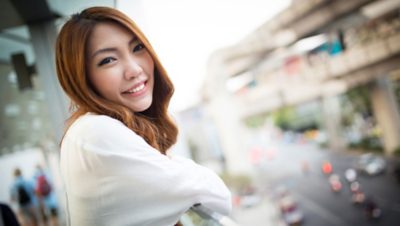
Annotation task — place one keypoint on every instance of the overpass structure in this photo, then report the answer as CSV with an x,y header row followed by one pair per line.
x,y
314,50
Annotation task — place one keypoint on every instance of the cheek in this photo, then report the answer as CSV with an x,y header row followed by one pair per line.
x,y
104,82
149,65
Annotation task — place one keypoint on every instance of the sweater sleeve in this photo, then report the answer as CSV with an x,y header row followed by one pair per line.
x,y
118,170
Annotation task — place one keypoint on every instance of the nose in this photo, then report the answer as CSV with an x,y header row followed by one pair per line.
x,y
132,68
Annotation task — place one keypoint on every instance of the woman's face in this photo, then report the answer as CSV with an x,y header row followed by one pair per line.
x,y
120,67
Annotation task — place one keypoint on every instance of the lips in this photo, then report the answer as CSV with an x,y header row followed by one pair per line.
x,y
136,88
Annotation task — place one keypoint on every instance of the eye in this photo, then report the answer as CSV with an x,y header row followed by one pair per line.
x,y
106,60
138,47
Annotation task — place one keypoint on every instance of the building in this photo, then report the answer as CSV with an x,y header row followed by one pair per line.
x,y
314,51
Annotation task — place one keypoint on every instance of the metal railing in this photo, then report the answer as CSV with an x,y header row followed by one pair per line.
x,y
200,215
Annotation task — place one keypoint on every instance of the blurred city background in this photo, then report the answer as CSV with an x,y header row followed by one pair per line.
x,y
298,111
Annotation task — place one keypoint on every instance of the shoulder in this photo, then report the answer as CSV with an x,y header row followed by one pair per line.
x,y
94,125
94,122
100,129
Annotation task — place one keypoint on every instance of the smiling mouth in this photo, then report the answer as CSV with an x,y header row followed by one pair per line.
x,y
136,88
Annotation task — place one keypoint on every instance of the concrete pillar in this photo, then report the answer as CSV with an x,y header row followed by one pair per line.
x,y
224,112
386,111
43,36
232,136
331,118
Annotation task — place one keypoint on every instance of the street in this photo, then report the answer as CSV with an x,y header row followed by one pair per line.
x,y
319,204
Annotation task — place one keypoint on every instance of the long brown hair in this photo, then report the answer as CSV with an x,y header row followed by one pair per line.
x,y
154,124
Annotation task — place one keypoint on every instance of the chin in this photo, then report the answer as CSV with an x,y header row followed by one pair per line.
x,y
141,107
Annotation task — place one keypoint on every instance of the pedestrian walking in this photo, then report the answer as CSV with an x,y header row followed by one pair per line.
x,y
23,193
47,198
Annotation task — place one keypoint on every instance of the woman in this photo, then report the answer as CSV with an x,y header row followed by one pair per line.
x,y
114,158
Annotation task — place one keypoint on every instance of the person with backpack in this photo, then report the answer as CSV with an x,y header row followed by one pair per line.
x,y
23,193
46,195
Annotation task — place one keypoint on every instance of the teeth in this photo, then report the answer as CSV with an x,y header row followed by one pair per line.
x,y
137,89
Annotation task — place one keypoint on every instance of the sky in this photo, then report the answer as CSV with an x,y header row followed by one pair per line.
x,y
184,33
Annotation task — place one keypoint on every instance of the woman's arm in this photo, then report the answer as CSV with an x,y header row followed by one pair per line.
x,y
113,157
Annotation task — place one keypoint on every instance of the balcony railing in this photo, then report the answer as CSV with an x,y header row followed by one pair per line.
x,y
200,215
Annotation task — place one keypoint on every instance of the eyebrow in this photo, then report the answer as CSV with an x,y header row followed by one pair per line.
x,y
112,49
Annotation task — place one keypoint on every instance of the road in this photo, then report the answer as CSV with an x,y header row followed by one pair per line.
x,y
319,204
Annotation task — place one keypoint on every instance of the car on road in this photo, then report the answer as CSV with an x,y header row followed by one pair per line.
x,y
371,164
396,171
290,211
358,198
351,175
372,209
335,183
